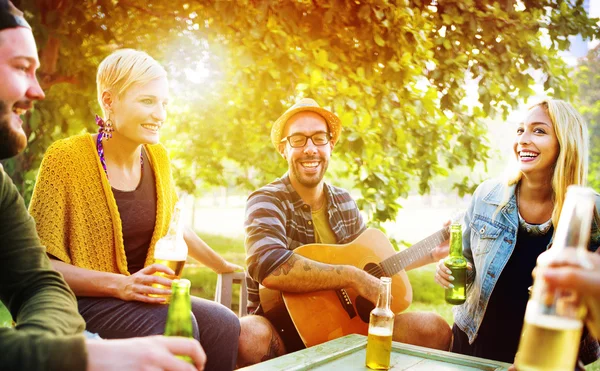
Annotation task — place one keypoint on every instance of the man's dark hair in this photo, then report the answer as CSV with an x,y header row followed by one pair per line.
x,y
10,16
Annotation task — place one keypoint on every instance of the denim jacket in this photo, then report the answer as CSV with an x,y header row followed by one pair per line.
x,y
488,242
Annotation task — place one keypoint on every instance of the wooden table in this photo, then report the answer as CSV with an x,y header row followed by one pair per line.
x,y
348,353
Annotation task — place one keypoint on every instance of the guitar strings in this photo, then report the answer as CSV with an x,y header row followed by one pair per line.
x,y
380,269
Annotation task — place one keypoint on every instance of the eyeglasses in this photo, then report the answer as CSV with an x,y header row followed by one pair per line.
x,y
299,140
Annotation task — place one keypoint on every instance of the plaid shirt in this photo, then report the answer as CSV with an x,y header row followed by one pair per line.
x,y
278,221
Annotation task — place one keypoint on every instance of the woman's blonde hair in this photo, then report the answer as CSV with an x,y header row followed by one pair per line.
x,y
124,68
572,163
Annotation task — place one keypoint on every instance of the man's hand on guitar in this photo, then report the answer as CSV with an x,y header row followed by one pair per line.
x,y
443,275
368,287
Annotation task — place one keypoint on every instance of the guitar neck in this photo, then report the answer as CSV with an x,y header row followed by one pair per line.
x,y
401,260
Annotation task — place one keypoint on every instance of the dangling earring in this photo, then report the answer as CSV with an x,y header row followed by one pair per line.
x,y
105,128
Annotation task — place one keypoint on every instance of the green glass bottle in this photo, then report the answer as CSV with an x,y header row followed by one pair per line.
x,y
457,263
179,317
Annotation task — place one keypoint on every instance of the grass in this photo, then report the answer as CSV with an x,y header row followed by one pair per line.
x,y
204,280
427,295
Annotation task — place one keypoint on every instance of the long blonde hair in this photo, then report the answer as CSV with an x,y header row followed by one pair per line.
x,y
572,163
124,68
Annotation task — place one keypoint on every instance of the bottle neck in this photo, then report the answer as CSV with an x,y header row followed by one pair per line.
x,y
574,225
456,243
174,225
571,237
180,296
179,316
385,293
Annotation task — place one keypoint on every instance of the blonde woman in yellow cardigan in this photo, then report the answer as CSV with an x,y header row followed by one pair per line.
x,y
102,201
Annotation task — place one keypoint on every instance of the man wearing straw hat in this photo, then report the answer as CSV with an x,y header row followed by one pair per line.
x,y
300,208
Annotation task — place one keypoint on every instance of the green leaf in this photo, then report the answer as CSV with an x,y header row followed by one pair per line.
x,y
364,174
315,77
302,87
350,103
360,71
347,119
379,40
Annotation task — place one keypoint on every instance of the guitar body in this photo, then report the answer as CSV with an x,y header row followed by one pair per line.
x,y
325,315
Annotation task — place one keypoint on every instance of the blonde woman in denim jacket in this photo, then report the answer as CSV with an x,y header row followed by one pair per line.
x,y
509,223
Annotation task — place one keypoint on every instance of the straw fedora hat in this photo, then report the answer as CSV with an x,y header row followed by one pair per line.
x,y
306,104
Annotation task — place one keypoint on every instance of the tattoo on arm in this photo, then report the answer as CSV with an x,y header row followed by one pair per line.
x,y
286,267
330,268
307,266
274,348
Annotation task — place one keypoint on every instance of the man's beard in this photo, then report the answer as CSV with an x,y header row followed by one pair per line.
x,y
309,181
11,141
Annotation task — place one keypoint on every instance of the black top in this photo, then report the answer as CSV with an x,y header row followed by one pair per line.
x,y
11,17
500,329
137,209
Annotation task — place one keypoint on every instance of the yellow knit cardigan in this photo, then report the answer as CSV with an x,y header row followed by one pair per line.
x,y
75,210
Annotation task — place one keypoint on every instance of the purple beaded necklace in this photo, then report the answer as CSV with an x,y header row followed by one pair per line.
x,y
100,148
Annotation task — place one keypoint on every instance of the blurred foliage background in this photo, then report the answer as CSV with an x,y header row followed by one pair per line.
x,y
587,78
396,73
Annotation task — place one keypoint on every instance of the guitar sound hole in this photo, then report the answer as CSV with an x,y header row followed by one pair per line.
x,y
373,269
364,308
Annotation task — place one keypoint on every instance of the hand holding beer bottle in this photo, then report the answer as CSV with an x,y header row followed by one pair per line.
x,y
381,327
586,282
171,250
554,316
451,273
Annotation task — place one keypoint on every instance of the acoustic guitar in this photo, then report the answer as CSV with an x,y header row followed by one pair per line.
x,y
321,316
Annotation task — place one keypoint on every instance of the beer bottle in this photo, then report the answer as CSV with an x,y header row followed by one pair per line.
x,y
554,317
179,316
171,250
381,326
457,263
